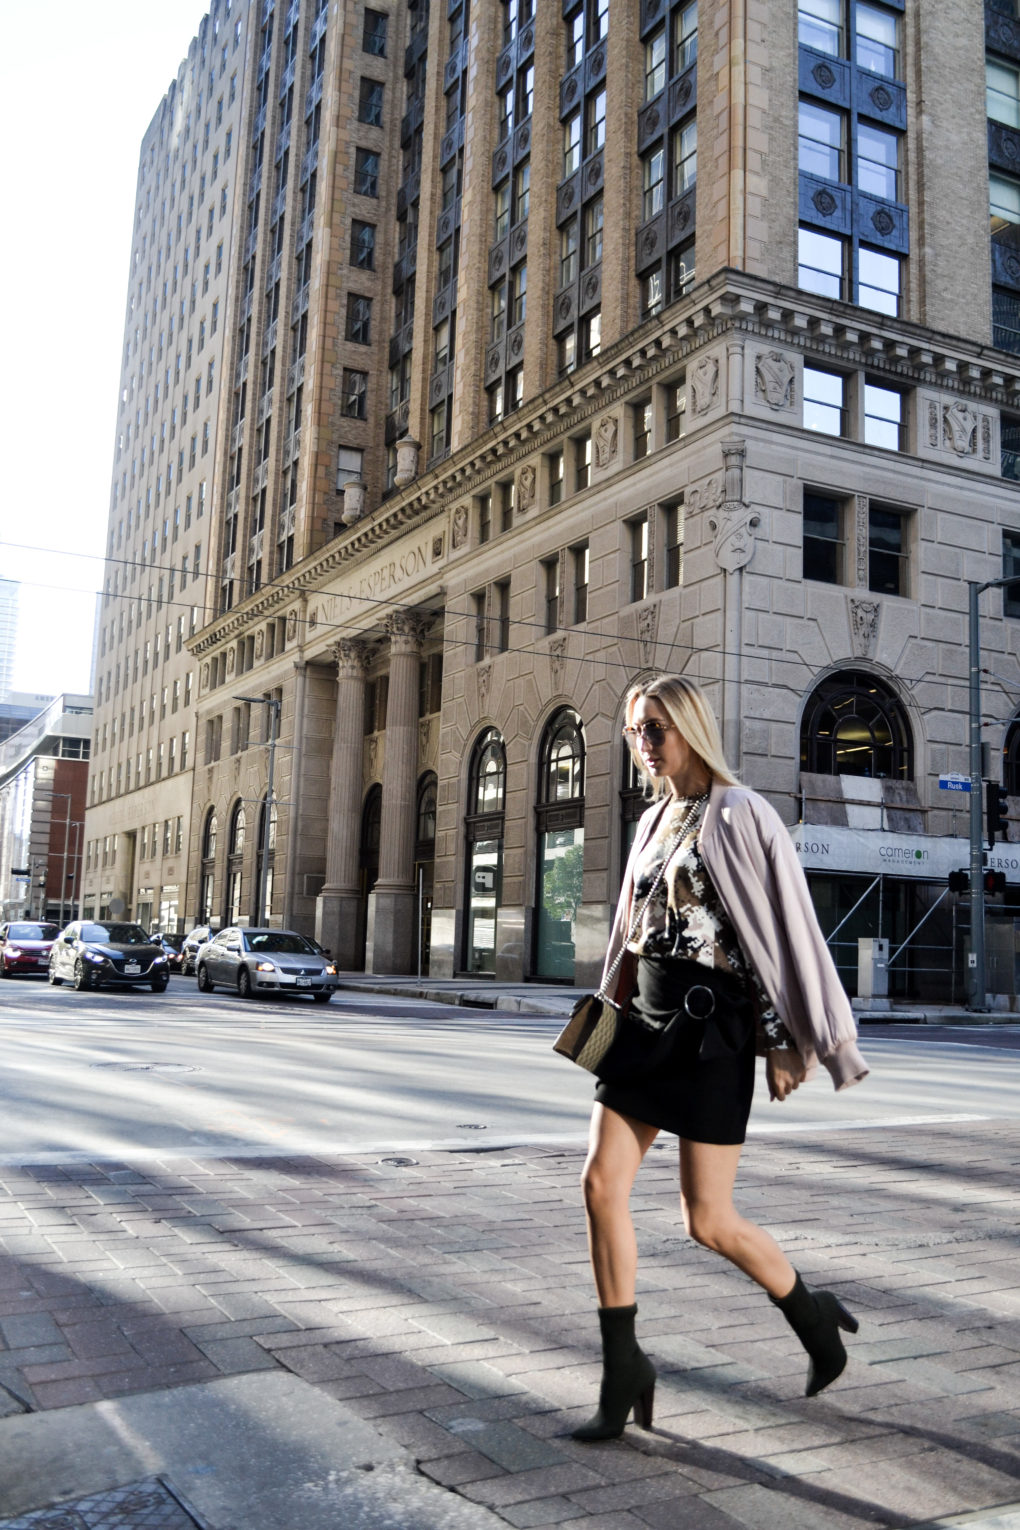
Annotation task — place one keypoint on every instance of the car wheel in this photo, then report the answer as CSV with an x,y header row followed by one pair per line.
x,y
322,998
81,979
160,984
204,985
244,987
51,977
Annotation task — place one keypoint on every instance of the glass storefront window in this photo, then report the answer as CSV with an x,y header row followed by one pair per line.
x,y
560,824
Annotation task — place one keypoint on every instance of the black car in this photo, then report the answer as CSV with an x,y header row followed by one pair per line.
x,y
93,955
172,948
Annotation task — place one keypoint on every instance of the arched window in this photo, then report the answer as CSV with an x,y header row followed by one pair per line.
x,y
560,823
425,862
425,836
483,830
207,880
235,852
264,862
633,798
371,823
855,726
1011,759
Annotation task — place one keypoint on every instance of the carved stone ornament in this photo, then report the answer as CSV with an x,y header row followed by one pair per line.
x,y
437,548
407,461
373,758
352,657
460,526
773,379
733,530
424,736
260,642
354,501
824,202
709,497
959,424
864,626
230,661
824,76
527,483
205,677
648,628
881,98
607,435
291,626
484,673
986,438
883,221
406,630
861,537
704,384
933,423
557,649
313,618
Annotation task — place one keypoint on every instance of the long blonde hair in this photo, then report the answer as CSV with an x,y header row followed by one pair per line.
x,y
686,706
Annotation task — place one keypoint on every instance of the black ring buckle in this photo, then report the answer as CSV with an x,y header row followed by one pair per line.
x,y
699,1010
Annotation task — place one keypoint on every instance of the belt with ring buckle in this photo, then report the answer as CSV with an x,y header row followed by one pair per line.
x,y
700,1010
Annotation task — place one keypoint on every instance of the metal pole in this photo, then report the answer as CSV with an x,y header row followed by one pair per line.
x,y
976,978
63,869
273,706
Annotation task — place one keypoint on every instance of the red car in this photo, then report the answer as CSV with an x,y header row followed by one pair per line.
x,y
25,948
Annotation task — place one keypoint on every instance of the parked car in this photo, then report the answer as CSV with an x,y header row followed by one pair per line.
x,y
25,947
171,948
92,955
254,961
189,950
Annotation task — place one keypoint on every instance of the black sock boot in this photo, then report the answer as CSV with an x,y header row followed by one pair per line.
x,y
628,1378
816,1318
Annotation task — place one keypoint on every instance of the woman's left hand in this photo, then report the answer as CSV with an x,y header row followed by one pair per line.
x,y
785,1071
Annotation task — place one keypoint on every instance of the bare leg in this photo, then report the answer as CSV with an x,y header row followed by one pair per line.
x,y
616,1146
707,1176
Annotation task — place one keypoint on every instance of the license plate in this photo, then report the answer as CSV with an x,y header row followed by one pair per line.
x,y
131,967
304,982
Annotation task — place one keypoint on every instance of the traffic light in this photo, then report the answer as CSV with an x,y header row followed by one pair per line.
x,y
959,881
995,881
996,810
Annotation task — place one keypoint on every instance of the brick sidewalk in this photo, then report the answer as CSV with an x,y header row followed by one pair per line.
x,y
448,1301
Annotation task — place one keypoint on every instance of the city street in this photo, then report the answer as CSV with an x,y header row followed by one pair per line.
x,y
287,1264
116,1074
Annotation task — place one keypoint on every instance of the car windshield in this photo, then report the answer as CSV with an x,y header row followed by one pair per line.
x,y
277,940
33,932
115,934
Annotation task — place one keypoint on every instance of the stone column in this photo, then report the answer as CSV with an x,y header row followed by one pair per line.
x,y
395,925
338,912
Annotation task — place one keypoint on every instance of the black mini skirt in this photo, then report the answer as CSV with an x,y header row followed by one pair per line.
x,y
699,1085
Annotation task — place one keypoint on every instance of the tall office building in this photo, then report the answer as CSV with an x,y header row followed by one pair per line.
x,y
10,591
567,343
168,416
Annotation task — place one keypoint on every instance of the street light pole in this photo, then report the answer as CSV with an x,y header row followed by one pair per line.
x,y
977,981
274,705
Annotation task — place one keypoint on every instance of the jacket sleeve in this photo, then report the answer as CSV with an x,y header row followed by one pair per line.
x,y
779,930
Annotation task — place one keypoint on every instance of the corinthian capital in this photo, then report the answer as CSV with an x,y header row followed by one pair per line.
x,y
406,630
352,657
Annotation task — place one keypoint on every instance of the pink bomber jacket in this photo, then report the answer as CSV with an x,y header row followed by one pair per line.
x,y
761,885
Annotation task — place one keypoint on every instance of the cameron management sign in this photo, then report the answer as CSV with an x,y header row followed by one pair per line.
x,y
871,851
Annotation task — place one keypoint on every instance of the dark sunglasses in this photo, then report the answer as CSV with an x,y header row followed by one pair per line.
x,y
649,732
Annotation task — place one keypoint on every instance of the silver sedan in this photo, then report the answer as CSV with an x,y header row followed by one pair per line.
x,y
254,961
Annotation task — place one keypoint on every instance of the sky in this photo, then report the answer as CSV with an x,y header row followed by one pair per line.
x,y
80,81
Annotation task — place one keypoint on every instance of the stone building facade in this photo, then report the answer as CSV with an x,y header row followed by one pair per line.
x,y
158,539
622,336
